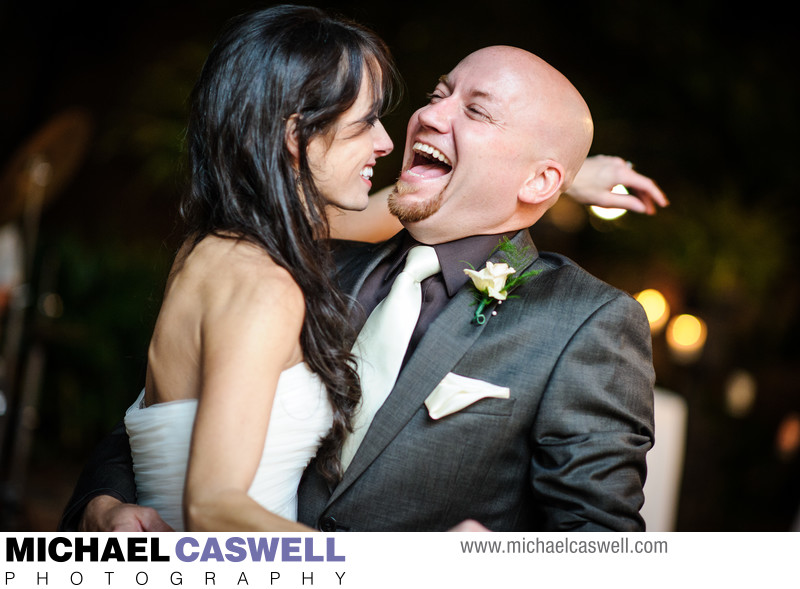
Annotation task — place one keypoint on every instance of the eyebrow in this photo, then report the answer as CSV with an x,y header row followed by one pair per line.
x,y
444,79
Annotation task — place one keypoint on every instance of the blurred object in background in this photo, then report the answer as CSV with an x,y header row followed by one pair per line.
x,y
11,263
665,463
740,393
36,174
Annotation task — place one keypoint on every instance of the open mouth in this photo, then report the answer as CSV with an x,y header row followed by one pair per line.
x,y
429,162
366,172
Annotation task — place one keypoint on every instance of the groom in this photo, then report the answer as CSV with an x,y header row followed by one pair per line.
x,y
540,416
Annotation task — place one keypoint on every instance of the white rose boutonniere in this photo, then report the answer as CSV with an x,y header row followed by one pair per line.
x,y
496,280
492,279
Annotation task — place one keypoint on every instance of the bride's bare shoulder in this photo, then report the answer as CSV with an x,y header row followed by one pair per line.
x,y
223,270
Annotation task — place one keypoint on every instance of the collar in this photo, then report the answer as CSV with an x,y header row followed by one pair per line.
x,y
454,256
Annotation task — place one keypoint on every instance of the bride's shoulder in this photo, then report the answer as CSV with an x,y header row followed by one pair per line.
x,y
226,271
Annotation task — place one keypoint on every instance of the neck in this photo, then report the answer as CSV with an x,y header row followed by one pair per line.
x,y
434,234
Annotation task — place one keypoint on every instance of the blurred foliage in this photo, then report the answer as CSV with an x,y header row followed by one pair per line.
x,y
148,124
97,348
719,250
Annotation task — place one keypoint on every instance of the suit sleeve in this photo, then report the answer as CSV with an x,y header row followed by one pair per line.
x,y
595,424
109,471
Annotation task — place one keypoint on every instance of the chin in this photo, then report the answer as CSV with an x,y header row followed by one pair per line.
x,y
356,203
410,204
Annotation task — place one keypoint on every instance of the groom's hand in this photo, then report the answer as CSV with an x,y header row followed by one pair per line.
x,y
107,514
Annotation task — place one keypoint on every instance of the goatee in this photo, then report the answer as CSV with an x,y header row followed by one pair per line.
x,y
412,212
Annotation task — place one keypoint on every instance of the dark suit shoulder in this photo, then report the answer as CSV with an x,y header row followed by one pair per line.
x,y
343,250
349,253
562,273
565,290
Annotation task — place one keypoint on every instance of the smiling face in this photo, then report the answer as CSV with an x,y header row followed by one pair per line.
x,y
483,156
341,161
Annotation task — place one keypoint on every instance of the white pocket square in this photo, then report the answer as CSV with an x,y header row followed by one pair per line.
x,y
456,392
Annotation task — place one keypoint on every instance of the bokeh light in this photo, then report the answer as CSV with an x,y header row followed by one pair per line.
x,y
787,439
740,393
686,336
609,214
656,307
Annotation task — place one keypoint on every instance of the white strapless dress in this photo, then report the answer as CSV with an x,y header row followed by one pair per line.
x,y
160,436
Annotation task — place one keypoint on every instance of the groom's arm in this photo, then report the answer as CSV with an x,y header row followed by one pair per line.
x,y
595,425
105,493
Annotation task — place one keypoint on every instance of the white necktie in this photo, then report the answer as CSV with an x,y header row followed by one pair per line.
x,y
381,345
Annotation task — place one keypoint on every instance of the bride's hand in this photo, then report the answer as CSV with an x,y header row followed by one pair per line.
x,y
107,514
469,525
600,173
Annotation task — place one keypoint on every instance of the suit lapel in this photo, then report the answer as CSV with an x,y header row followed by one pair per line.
x,y
442,347
353,270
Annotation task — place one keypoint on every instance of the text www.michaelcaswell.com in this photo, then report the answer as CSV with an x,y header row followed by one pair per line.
x,y
564,546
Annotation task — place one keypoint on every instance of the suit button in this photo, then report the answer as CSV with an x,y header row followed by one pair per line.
x,y
327,524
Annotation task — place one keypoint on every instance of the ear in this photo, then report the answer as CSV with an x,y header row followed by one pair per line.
x,y
291,138
543,184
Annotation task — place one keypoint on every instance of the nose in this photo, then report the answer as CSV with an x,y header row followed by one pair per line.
x,y
435,115
381,142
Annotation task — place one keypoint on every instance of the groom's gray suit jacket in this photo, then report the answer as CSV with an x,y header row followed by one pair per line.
x,y
565,451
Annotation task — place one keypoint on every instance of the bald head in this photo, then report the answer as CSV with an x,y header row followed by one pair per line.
x,y
554,111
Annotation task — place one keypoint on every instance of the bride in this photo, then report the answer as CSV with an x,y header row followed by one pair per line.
x,y
249,367
250,373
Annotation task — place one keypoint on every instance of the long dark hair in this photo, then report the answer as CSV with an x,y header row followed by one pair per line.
x,y
266,66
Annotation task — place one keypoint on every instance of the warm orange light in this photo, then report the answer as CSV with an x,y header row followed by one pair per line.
x,y
656,308
686,336
788,436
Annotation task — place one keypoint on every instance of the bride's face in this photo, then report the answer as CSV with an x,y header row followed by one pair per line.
x,y
342,160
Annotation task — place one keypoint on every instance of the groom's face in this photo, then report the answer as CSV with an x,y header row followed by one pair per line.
x,y
467,151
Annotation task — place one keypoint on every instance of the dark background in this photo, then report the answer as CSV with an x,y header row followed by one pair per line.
x,y
700,95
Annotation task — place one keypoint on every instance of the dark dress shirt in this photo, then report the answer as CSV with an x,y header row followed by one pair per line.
x,y
437,290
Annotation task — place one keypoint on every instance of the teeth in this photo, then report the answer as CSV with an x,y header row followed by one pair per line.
x,y
420,147
366,173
